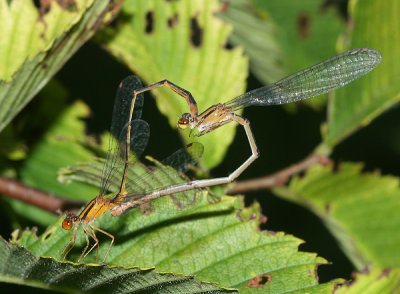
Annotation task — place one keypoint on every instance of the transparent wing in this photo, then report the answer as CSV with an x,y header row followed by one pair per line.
x,y
313,81
165,174
140,132
143,180
140,135
182,159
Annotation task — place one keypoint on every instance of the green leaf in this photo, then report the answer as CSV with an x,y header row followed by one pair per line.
x,y
258,36
359,103
361,210
18,266
213,242
218,242
374,281
156,40
308,33
34,46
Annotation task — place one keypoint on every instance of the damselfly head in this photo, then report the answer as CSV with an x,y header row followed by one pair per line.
x,y
185,120
69,221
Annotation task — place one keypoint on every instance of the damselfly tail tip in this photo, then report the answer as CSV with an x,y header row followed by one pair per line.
x,y
376,55
373,56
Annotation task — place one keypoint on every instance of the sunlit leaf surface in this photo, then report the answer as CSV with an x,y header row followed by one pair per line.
x,y
360,209
359,103
258,35
19,266
212,242
35,43
373,281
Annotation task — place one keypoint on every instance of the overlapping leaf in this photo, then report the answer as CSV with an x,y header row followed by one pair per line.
x,y
218,242
357,104
35,43
305,24
184,42
374,281
308,33
361,210
210,241
19,266
257,34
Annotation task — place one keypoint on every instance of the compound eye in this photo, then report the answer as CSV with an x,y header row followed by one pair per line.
x,y
67,224
184,121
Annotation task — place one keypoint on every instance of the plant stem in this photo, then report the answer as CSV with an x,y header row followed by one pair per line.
x,y
44,200
279,178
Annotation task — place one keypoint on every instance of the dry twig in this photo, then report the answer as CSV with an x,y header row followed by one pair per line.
x,y
279,178
41,199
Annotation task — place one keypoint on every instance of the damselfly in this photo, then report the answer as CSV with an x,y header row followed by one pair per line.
x,y
318,79
127,130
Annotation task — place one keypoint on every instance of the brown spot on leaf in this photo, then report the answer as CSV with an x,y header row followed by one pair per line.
x,y
328,208
260,281
115,9
149,22
146,208
385,273
263,219
224,6
303,25
364,271
44,6
173,21
68,4
228,46
253,216
196,33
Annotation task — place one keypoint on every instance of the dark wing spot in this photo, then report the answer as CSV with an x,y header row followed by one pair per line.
x,y
44,6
